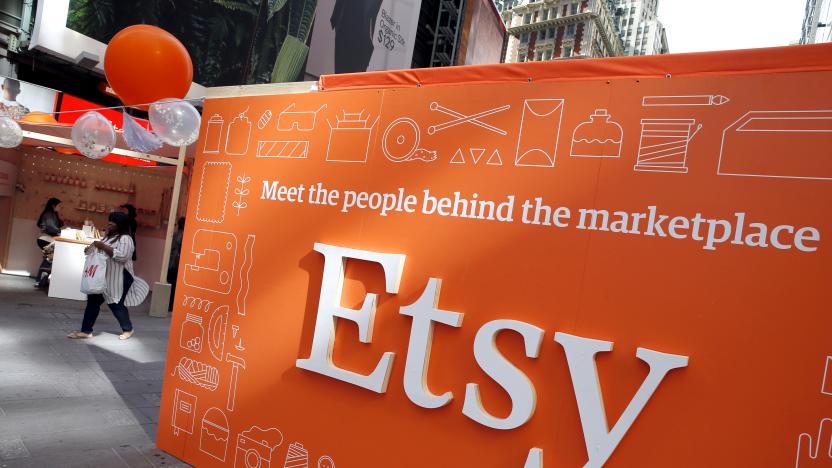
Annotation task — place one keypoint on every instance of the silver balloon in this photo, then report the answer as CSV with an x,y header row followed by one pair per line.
x,y
93,135
10,133
175,122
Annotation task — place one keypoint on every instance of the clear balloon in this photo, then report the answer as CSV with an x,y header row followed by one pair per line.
x,y
93,135
10,133
175,122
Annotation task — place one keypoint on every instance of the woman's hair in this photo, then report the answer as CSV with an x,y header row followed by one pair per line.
x,y
131,210
121,220
50,207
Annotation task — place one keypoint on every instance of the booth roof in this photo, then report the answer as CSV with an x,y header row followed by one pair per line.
x,y
816,57
64,131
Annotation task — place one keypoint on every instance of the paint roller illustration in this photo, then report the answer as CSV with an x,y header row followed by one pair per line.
x,y
779,144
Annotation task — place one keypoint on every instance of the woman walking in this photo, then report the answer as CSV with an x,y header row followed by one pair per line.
x,y
123,287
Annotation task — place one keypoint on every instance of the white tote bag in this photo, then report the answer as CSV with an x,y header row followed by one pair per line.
x,y
94,279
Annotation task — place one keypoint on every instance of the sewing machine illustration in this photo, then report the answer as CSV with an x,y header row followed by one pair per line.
x,y
211,261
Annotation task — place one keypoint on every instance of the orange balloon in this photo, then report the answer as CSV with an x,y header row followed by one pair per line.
x,y
144,64
39,118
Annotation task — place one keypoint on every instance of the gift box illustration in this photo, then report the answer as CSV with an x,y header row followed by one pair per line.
x,y
349,137
784,144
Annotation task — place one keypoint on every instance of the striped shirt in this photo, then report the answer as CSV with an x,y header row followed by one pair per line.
x,y
122,260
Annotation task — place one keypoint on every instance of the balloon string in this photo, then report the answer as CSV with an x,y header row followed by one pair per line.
x,y
124,107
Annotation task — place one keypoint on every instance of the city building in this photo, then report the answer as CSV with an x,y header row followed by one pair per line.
x,y
817,23
641,31
552,29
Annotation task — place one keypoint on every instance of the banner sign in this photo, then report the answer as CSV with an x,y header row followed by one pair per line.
x,y
621,272
363,35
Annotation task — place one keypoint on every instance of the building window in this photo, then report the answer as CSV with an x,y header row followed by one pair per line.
x,y
538,56
527,19
548,55
545,15
554,13
574,8
524,38
521,57
567,52
551,34
570,30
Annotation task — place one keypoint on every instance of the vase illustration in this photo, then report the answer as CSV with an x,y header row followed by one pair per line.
x,y
239,134
598,137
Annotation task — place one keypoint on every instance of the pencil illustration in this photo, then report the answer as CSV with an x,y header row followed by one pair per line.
x,y
693,100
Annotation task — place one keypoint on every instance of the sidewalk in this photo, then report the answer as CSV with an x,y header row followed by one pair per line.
x,y
77,403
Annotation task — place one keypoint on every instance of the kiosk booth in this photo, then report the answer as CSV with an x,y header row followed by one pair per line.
x,y
615,262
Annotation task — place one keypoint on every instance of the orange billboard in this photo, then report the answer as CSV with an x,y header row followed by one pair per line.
x,y
618,266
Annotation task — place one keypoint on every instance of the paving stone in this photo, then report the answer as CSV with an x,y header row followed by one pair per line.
x,y
77,403
11,449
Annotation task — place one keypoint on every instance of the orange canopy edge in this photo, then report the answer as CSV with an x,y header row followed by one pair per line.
x,y
789,59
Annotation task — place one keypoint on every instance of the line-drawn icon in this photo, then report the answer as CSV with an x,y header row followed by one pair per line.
x,y
537,143
193,302
214,434
826,384
476,154
256,447
239,135
198,373
237,363
245,272
264,119
213,192
184,412
598,137
460,118
291,119
458,158
214,255
326,462
217,329
297,456
235,330
191,333
495,159
349,137
400,142
242,192
664,144
778,144
684,101
817,450
213,134
283,149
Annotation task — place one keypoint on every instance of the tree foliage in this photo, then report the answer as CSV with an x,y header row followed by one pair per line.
x,y
231,42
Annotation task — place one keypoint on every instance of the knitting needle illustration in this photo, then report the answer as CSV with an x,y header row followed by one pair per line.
x,y
693,100
462,118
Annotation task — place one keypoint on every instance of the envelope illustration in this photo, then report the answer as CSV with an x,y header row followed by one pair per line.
x,y
213,192
778,144
537,143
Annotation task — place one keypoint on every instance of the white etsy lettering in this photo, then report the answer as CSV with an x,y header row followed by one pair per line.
x,y
425,311
330,310
580,356
513,380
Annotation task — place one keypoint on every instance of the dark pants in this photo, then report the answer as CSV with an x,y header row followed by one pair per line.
x,y
172,282
94,302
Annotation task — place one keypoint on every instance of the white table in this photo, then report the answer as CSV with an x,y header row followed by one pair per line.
x,y
67,269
